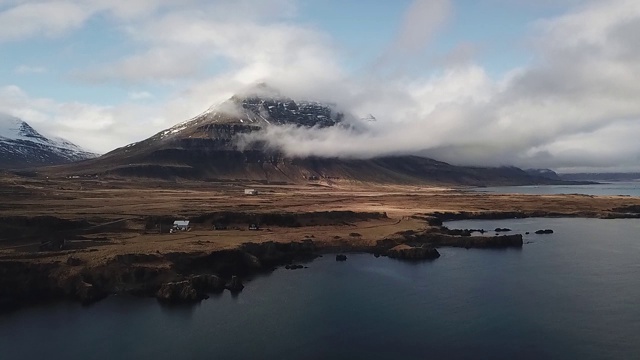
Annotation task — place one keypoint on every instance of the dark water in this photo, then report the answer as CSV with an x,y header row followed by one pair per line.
x,y
571,295
614,188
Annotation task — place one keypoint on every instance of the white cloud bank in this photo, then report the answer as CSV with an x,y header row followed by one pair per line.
x,y
573,108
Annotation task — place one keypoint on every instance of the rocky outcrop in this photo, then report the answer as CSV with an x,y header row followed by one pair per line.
x,y
502,241
207,283
179,291
88,294
194,288
631,209
235,284
438,239
270,254
544,231
497,215
406,252
628,212
293,267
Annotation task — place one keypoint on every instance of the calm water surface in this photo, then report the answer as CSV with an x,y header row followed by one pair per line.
x,y
615,188
571,295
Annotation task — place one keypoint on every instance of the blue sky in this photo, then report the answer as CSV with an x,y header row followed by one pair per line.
x,y
104,73
45,65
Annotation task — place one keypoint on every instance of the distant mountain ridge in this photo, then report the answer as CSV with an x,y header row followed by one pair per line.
x,y
207,147
545,173
616,176
21,146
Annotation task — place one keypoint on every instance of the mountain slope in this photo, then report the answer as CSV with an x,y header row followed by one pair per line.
x,y
209,146
21,146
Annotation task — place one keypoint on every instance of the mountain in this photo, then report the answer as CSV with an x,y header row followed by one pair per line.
x,y
208,147
21,146
545,173
601,176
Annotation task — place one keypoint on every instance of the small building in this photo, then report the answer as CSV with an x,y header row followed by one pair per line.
x,y
250,192
254,227
180,225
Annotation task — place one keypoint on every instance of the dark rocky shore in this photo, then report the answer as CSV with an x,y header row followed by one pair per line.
x,y
625,212
191,276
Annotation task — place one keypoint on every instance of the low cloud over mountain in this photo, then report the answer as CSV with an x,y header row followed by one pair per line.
x,y
572,106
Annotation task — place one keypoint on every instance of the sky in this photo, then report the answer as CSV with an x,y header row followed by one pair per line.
x,y
530,83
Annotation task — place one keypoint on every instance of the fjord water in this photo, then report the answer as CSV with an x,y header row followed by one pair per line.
x,y
627,188
570,295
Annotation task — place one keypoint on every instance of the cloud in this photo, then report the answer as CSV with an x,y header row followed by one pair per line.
x,y
22,19
253,40
96,128
26,69
422,19
572,108
140,95
155,65
46,18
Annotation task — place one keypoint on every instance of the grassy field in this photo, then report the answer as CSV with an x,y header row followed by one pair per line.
x,y
111,217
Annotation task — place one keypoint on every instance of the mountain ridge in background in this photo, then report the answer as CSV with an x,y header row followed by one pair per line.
x,y
613,176
21,146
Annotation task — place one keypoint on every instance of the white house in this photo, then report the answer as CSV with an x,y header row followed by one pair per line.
x,y
181,225
250,192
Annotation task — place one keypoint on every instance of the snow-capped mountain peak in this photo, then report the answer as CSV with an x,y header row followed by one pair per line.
x,y
258,107
22,146
15,129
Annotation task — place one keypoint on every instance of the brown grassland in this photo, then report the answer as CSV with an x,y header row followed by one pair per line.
x,y
117,213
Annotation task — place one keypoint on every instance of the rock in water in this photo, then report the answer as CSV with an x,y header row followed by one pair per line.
x,y
235,284
545,231
341,257
406,252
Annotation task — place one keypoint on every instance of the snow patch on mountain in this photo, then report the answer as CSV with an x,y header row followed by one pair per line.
x,y
22,146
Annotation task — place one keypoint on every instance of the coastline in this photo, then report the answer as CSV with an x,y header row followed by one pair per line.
x,y
187,277
113,239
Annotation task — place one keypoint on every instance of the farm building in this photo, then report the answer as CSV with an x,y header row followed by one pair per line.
x,y
250,192
181,225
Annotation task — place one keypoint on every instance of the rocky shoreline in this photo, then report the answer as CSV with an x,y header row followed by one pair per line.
x,y
190,276
626,212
